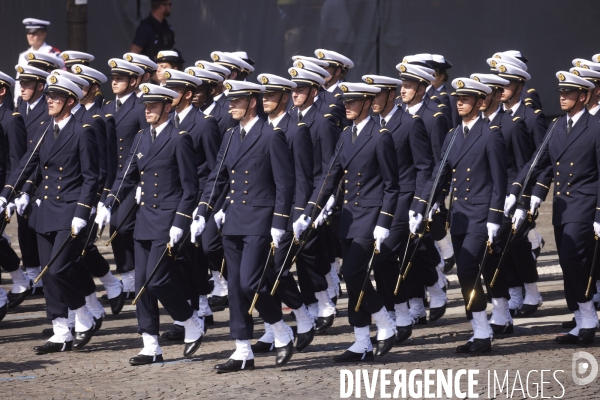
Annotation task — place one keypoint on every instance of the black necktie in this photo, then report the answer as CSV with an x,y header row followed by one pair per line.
x,y
242,134
119,104
153,134
271,124
56,130
466,130
354,133
383,123
569,125
486,119
509,112
177,121
299,116
28,109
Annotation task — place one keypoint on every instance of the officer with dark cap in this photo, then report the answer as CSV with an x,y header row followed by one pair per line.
x,y
66,153
163,167
154,33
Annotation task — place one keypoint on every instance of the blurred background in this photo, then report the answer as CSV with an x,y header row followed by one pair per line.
x,y
375,34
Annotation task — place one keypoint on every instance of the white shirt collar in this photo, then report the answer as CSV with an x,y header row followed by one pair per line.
x,y
183,114
124,98
75,108
491,117
35,103
210,108
139,94
62,123
513,108
160,128
413,109
594,110
250,124
217,97
89,105
331,88
470,124
576,117
361,125
277,120
389,116
305,110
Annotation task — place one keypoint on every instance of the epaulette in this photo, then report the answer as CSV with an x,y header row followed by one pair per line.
x,y
438,113
16,113
453,94
86,125
384,130
107,115
538,111
42,123
494,127
327,115
346,128
277,128
554,119
528,104
441,105
207,116
417,116
337,95
531,90
528,100
141,130
229,129
332,105
397,97
95,116
516,118
182,132
433,97
302,123
99,93
443,93
108,102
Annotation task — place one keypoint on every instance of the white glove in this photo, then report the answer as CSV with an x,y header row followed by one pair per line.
x,y
492,231
329,204
21,203
175,234
38,202
434,208
93,210
300,226
3,204
77,225
138,194
321,218
10,209
103,217
195,213
509,203
197,228
276,235
518,218
597,228
219,218
535,203
100,206
415,222
380,234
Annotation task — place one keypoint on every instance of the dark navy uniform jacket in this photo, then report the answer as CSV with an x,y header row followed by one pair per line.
x,y
369,170
437,126
207,139
166,172
258,174
69,168
128,121
33,122
414,158
476,165
535,121
575,162
15,137
222,118
333,101
449,101
531,98
301,146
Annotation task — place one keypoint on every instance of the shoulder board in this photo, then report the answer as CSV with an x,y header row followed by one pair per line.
x,y
531,90
301,124
99,93
528,104
346,127
108,102
443,93
141,130
229,129
433,97
441,105
182,132
207,116
277,128
108,115
528,100
538,111
16,113
337,95
516,118
453,94
494,127
397,97
332,105
383,130
42,123
95,116
438,113
327,115
86,125
554,119
417,116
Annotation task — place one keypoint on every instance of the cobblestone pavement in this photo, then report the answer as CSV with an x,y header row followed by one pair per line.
x,y
101,370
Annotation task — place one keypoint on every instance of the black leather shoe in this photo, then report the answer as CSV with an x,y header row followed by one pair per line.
x,y
117,303
403,333
235,366
141,359
190,348
15,299
374,339
218,303
436,313
176,333
566,339
304,339
569,324
350,356
3,310
209,320
449,264
502,329
536,251
50,347
97,324
513,312
283,354
334,300
586,336
262,347
421,321
80,339
384,346
480,346
528,309
463,348
323,323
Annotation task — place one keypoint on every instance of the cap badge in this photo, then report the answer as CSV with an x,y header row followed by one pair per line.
x,y
575,72
113,64
561,77
476,78
299,64
200,65
31,56
344,88
191,72
160,55
497,56
53,79
402,68
167,74
65,56
460,84
215,57
264,80
493,63
293,72
578,64
502,68
78,69
145,89
584,66
369,80
228,86
320,55
20,69
404,61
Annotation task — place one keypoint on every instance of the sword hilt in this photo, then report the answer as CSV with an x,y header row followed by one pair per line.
x,y
398,285
471,297
360,297
39,277
275,286
494,278
142,290
253,303
405,274
112,237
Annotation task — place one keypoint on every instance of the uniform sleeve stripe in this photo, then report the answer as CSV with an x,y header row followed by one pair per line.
x,y
388,214
494,209
207,205
187,216
544,186
281,215
85,205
